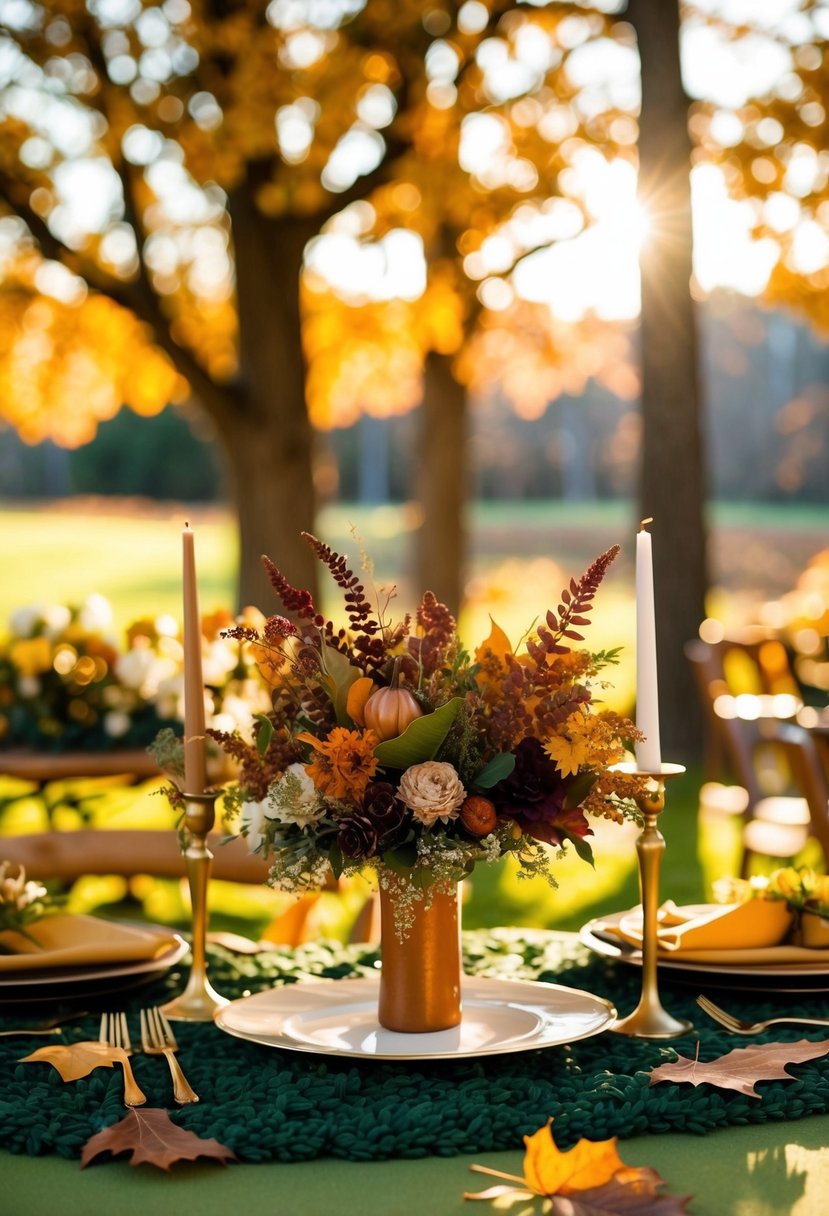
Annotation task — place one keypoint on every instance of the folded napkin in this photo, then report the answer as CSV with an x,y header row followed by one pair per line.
x,y
76,941
748,933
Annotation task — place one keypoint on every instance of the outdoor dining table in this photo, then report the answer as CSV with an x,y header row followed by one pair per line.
x,y
315,1134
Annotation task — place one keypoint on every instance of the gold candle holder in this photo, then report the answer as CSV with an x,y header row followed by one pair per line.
x,y
649,1019
199,1001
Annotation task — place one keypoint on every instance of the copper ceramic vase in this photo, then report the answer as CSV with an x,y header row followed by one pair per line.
x,y
420,978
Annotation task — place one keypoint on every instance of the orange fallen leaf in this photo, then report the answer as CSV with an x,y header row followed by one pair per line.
x,y
589,1179
153,1139
743,1067
549,1171
77,1060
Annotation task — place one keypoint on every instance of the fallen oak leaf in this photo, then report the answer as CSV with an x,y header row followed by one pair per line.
x,y
743,1067
152,1138
76,1060
588,1180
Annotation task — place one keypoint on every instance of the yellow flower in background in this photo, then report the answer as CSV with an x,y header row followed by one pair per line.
x,y
821,889
32,656
786,882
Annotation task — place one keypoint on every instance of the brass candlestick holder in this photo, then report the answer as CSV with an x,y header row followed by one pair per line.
x,y
649,1019
199,1001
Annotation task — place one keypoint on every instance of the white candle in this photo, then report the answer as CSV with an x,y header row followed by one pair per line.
x,y
648,754
195,771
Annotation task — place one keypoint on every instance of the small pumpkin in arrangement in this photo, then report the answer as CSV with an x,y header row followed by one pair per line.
x,y
385,711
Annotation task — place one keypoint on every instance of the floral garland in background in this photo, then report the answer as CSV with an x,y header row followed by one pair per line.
x,y
67,685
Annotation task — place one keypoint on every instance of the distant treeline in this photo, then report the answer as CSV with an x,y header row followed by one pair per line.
x,y
767,387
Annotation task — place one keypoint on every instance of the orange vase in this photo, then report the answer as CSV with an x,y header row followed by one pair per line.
x,y
420,979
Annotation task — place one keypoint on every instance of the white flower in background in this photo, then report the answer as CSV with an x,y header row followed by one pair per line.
x,y
15,891
169,697
431,791
218,661
239,706
166,626
254,819
295,799
56,617
23,621
95,614
116,723
144,670
28,686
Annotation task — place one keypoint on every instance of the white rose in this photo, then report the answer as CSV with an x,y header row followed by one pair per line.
x,y
56,618
295,799
254,820
431,791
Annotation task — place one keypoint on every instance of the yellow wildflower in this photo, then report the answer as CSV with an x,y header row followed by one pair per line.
x,y
572,748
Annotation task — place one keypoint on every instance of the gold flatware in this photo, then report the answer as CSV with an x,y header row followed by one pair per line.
x,y
31,1030
157,1038
114,1032
52,1026
739,1026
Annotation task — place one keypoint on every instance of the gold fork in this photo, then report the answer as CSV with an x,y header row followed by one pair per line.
x,y
115,1033
157,1038
739,1026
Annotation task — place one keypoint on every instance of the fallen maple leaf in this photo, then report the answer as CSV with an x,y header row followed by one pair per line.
x,y
589,1179
77,1060
743,1067
152,1137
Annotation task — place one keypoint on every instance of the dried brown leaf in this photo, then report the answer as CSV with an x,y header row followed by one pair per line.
x,y
618,1198
77,1060
152,1138
742,1068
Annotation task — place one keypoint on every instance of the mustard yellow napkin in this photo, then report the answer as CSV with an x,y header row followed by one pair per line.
x,y
749,933
75,941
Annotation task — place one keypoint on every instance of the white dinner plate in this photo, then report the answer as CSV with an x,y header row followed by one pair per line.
x,y
339,1017
764,976
60,981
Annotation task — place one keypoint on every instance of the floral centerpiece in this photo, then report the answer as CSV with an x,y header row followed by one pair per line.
x,y
389,745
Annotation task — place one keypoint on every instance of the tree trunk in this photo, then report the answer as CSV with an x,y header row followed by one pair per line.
x,y
268,441
442,483
672,474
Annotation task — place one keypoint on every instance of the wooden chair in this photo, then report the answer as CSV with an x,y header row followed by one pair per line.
x,y
753,739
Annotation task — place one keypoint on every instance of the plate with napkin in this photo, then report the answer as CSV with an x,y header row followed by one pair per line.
x,y
62,950
747,940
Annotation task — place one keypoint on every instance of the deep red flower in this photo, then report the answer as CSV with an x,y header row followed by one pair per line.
x,y
534,795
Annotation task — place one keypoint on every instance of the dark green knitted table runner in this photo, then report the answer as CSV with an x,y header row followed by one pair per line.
x,y
268,1104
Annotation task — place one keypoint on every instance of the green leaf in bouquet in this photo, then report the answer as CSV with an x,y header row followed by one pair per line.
x,y
582,847
264,734
338,676
335,859
421,739
496,770
579,788
402,858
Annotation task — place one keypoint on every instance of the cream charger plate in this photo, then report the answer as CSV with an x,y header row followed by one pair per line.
x,y
808,972
339,1018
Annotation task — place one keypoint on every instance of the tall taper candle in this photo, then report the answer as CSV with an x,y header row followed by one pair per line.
x,y
648,752
195,769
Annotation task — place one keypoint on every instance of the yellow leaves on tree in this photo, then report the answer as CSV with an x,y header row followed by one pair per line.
x,y
66,367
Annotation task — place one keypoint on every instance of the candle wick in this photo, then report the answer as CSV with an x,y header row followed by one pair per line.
x,y
643,524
